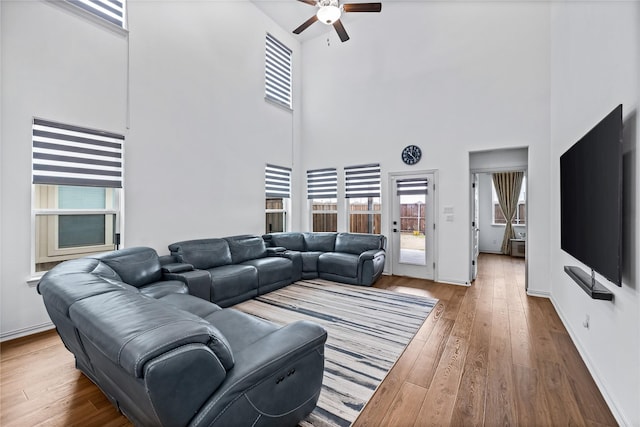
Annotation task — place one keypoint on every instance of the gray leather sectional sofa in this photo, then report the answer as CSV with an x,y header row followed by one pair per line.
x,y
167,358
353,258
232,269
236,268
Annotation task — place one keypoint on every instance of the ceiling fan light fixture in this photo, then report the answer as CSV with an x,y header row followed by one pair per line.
x,y
328,14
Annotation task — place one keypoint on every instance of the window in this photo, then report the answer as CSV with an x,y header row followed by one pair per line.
x,y
362,190
278,192
520,217
110,10
77,181
277,73
322,192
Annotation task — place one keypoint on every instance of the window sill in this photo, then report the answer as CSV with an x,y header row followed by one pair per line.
x,y
32,281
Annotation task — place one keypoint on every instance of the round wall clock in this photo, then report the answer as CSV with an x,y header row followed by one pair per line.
x,y
411,154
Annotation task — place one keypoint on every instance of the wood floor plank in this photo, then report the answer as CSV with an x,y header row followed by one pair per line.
x,y
470,400
487,355
439,402
406,405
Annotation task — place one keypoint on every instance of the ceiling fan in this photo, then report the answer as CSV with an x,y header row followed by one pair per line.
x,y
329,12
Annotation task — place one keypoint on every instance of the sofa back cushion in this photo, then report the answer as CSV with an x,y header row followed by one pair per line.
x,y
291,241
320,242
246,247
202,253
355,243
131,329
136,266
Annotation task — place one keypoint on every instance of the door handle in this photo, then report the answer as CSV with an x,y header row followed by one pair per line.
x,y
395,230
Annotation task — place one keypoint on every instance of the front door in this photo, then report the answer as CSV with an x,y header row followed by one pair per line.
x,y
412,226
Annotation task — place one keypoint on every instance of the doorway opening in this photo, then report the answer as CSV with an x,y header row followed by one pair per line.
x,y
488,223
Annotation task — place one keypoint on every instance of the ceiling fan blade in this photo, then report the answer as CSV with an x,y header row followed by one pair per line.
x,y
306,24
310,2
362,7
342,33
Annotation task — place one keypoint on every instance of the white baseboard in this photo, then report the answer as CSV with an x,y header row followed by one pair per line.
x,y
26,331
453,282
535,293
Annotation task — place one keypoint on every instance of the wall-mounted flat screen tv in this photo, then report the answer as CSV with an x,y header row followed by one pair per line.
x,y
591,198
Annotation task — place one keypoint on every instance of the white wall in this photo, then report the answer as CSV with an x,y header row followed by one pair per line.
x,y
58,66
200,129
452,84
595,66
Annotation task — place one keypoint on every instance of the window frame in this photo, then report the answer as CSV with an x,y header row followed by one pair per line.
x,y
68,155
277,182
48,251
322,189
278,73
364,182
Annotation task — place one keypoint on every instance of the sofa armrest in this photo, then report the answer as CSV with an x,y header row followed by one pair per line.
x,y
287,363
370,266
176,267
198,281
276,250
371,254
180,381
294,256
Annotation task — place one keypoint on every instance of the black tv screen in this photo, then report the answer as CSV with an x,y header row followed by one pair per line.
x,y
591,198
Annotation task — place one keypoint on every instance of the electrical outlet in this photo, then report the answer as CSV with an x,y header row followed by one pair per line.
x,y
586,321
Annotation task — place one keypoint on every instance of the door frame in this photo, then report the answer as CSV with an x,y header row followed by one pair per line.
x,y
475,229
525,169
391,250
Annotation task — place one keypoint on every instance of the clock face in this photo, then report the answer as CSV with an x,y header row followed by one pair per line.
x,y
411,154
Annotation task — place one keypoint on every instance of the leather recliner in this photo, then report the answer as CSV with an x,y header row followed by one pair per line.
x,y
166,358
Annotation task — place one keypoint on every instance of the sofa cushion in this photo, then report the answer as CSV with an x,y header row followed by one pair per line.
x,y
160,289
241,328
246,247
229,281
271,269
320,242
353,243
131,329
137,266
310,261
291,241
339,263
202,253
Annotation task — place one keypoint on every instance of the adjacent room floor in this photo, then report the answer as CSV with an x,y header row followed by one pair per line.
x,y
487,355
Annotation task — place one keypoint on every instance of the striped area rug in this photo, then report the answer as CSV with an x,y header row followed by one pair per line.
x,y
368,329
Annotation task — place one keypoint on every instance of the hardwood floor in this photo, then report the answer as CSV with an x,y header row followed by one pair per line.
x,y
487,355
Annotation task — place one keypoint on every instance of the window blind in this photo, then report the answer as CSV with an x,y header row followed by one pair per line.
x,y
418,186
277,72
277,181
322,184
362,181
71,155
109,10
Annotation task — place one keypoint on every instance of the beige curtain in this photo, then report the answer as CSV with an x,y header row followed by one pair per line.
x,y
507,186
